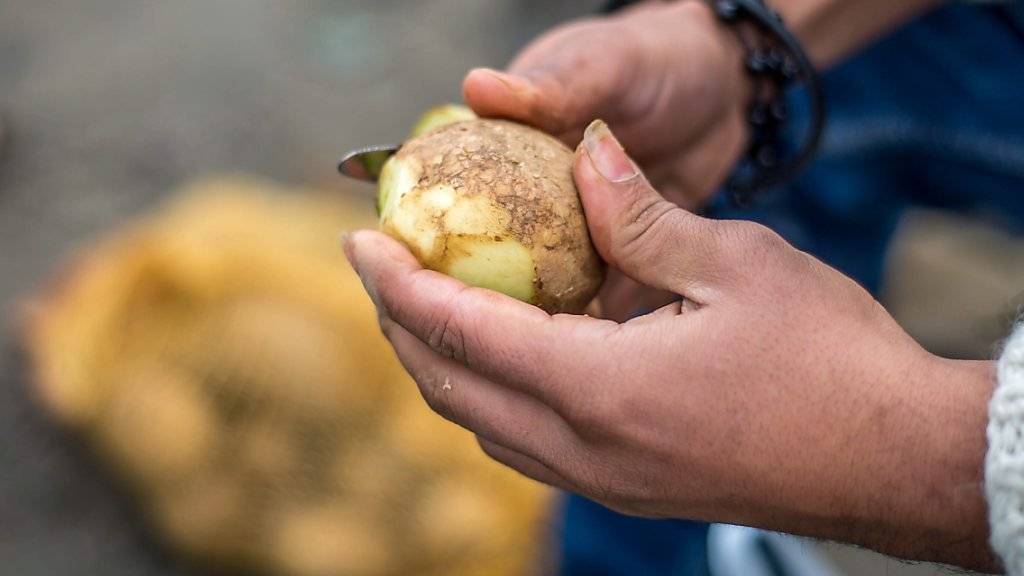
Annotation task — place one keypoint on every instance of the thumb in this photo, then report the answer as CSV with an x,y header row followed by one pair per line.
x,y
635,229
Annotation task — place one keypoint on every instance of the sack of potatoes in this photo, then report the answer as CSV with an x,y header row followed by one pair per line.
x,y
222,356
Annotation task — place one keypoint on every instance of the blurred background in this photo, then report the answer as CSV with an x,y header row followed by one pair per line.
x,y
109,107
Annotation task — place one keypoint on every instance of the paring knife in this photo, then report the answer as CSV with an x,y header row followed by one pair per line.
x,y
366,163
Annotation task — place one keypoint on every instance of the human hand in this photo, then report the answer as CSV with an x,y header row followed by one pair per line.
x,y
666,76
776,394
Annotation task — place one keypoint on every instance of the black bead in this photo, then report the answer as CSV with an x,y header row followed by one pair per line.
x,y
727,10
774,63
765,156
758,114
757,62
790,70
775,59
779,110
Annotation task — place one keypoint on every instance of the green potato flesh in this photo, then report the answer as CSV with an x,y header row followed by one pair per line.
x,y
441,116
493,204
454,234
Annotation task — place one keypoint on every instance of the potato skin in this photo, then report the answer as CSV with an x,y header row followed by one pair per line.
x,y
507,183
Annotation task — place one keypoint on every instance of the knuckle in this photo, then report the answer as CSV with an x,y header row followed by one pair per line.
x,y
597,418
759,236
504,455
387,325
753,249
583,415
389,290
487,447
553,113
598,480
645,225
438,398
431,394
447,336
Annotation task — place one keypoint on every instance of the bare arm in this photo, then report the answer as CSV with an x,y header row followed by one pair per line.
x,y
833,29
780,395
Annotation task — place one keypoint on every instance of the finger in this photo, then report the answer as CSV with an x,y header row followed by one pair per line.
x,y
511,418
499,337
638,231
496,94
523,464
540,101
557,85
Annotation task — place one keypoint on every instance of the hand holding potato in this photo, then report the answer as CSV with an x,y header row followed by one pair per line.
x,y
776,394
493,203
669,80
667,77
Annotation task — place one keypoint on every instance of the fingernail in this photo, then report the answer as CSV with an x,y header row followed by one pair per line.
x,y
511,81
606,154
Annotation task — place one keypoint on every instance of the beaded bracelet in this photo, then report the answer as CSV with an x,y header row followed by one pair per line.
x,y
776,61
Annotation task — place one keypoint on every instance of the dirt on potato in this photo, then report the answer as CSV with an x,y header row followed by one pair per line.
x,y
519,182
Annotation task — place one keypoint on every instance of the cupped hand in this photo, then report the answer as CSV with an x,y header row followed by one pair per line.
x,y
776,393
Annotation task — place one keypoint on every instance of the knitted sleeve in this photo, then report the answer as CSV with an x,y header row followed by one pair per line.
x,y
1004,462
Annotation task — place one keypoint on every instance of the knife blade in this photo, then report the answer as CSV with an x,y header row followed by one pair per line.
x,y
366,163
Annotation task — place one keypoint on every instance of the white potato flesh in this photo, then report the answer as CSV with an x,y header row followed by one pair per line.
x,y
493,204
461,236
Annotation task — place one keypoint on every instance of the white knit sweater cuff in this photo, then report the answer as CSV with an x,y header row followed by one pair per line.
x,y
1004,462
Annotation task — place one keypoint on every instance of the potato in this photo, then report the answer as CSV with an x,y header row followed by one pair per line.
x,y
206,517
330,540
493,204
159,427
440,116
225,360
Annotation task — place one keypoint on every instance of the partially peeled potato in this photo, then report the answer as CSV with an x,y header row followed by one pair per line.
x,y
492,203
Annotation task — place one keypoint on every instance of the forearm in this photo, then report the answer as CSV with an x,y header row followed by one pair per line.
x,y
938,490
833,29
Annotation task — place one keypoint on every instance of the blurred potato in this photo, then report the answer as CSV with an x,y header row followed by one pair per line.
x,y
327,539
223,357
158,425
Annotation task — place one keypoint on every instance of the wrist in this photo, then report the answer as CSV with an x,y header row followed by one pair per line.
x,y
738,83
938,495
904,471
689,81
695,21
724,66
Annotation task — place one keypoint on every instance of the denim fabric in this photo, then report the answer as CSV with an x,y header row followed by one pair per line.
x,y
598,542
1016,10
932,115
